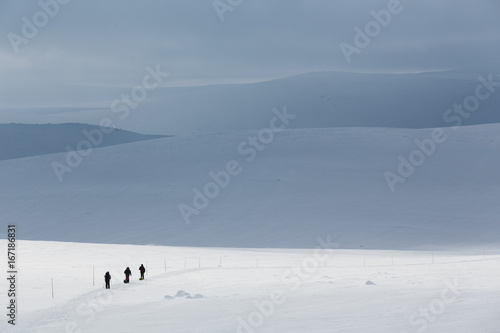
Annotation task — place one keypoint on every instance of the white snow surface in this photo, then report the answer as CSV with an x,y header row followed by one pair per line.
x,y
301,185
424,258
266,290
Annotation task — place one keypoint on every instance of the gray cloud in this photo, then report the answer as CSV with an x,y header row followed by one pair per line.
x,y
108,44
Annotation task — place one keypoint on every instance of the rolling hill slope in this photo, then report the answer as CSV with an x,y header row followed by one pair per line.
x,y
320,100
301,185
24,140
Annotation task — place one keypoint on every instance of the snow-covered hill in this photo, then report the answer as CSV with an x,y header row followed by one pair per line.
x,y
326,99
23,140
298,186
321,100
186,290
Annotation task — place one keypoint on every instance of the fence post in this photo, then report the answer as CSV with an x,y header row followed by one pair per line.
x,y
52,284
93,275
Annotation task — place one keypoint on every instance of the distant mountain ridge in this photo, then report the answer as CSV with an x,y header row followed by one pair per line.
x,y
320,100
26,140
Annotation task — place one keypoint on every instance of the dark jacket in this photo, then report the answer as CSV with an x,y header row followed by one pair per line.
x,y
127,271
107,277
142,269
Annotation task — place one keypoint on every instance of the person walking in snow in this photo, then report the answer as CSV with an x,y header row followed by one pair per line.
x,y
142,270
107,278
127,274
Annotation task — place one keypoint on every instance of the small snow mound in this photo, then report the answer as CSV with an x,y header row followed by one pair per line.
x,y
182,293
370,283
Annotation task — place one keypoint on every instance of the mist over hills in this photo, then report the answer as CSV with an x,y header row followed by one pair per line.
x,y
323,174
320,100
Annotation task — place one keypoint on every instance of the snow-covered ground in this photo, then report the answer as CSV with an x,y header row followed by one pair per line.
x,y
265,290
301,184
422,258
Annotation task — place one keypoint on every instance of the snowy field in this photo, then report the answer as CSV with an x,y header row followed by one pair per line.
x,y
303,184
248,290
276,166
424,258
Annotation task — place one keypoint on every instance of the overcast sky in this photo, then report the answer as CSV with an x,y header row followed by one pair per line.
x,y
109,43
